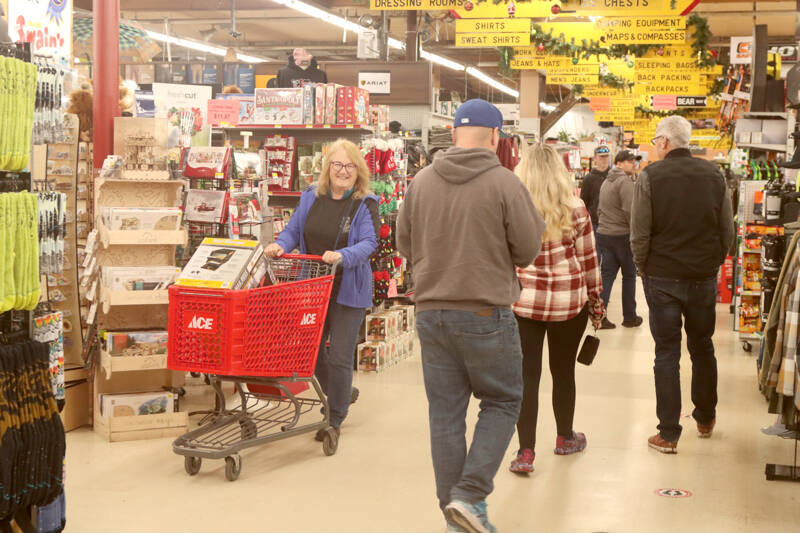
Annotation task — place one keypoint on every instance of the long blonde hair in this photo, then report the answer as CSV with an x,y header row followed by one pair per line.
x,y
354,154
547,179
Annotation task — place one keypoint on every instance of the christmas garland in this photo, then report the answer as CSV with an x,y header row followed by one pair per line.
x,y
650,113
608,80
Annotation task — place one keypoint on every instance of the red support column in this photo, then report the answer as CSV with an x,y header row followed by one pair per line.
x,y
106,77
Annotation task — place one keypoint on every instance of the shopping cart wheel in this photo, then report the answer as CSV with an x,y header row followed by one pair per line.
x,y
249,429
233,467
330,442
747,347
192,464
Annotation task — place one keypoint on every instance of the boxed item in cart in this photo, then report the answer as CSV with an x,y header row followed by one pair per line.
x,y
142,218
372,356
137,404
381,326
129,278
279,106
204,206
221,264
135,343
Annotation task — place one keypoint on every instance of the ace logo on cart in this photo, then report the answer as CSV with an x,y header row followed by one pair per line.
x,y
308,319
203,323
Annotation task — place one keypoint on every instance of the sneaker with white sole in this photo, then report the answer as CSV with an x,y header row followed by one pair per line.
x,y
470,516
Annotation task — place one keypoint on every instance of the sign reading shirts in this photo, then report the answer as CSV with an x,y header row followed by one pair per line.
x,y
43,23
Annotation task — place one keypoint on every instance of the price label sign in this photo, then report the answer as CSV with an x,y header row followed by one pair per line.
x,y
223,112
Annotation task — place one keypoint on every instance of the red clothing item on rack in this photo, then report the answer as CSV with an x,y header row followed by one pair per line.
x,y
508,153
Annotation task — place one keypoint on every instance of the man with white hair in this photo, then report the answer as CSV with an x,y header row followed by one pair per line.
x,y
681,229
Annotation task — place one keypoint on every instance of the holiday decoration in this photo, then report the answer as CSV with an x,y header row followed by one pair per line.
x,y
556,9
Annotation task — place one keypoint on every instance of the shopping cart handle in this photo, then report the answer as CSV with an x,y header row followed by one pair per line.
x,y
307,257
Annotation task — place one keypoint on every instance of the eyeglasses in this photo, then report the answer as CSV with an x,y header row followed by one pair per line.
x,y
339,166
654,139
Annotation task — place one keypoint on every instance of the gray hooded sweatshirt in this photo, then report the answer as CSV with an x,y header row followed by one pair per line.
x,y
466,221
614,207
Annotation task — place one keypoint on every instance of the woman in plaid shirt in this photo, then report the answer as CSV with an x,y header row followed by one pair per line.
x,y
560,293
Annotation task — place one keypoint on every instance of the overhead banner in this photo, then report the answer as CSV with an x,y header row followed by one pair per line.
x,y
46,25
415,5
622,36
492,39
493,25
573,79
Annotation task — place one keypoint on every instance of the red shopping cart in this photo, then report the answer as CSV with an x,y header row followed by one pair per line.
x,y
264,340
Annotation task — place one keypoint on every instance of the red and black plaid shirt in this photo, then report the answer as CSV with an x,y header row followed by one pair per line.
x,y
564,276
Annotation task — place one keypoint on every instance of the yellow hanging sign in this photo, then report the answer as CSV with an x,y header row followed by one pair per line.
x,y
664,64
667,88
667,76
492,39
604,92
645,37
573,79
552,63
576,31
679,51
493,25
580,68
415,5
642,23
585,8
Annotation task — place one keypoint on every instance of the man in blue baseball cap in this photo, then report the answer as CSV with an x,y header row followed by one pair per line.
x,y
464,225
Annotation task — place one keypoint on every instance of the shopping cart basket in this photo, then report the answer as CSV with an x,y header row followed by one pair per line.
x,y
265,341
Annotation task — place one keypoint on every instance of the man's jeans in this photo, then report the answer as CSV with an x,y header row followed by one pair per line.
x,y
335,364
695,301
615,253
465,353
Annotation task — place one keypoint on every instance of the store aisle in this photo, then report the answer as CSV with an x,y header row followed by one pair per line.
x,y
381,479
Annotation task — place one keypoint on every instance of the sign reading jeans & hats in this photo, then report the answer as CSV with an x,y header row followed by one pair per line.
x,y
376,82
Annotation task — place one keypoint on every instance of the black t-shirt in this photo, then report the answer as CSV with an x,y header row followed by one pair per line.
x,y
323,224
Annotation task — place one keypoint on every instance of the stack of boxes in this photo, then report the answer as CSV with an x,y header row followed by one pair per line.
x,y
313,104
389,339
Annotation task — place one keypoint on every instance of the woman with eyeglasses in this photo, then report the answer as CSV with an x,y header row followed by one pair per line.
x,y
338,220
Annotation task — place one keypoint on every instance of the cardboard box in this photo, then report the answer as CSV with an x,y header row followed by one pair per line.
x,y
137,404
372,356
76,405
221,264
331,101
206,206
138,278
309,95
361,106
341,105
319,103
136,343
279,106
142,218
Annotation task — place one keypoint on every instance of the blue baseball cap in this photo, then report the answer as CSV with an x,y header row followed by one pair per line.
x,y
480,113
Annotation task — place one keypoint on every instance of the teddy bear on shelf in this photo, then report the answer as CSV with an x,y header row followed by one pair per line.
x,y
80,104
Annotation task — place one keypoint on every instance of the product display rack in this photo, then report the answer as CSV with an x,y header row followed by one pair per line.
x,y
742,296
130,310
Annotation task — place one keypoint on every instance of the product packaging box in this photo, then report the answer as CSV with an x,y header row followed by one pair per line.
x,y
331,101
138,278
319,103
279,106
361,106
208,162
309,95
381,326
142,218
248,207
341,105
206,206
135,343
221,264
372,356
138,404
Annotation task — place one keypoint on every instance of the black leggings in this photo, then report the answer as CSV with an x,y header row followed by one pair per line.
x,y
563,341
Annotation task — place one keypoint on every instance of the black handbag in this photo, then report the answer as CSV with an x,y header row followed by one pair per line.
x,y
589,350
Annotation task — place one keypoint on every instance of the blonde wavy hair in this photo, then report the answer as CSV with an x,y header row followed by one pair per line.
x,y
547,179
354,154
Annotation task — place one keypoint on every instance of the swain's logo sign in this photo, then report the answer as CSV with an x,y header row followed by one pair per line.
x,y
202,323
309,319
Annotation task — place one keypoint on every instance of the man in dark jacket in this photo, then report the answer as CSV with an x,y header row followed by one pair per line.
x,y
301,68
590,190
464,224
614,239
681,229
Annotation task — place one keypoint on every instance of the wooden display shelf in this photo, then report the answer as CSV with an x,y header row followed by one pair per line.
x,y
140,237
128,428
119,298
120,363
146,175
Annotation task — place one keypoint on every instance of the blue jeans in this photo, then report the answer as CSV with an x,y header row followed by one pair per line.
x,y
466,353
335,364
694,302
615,251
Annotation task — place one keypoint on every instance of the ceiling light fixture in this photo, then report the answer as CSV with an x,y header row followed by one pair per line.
x,y
472,71
201,47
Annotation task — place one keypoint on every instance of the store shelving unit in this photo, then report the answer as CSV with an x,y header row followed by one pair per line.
x,y
746,300
129,310
775,129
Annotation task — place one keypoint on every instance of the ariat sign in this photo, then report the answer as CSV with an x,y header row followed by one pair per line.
x,y
203,323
